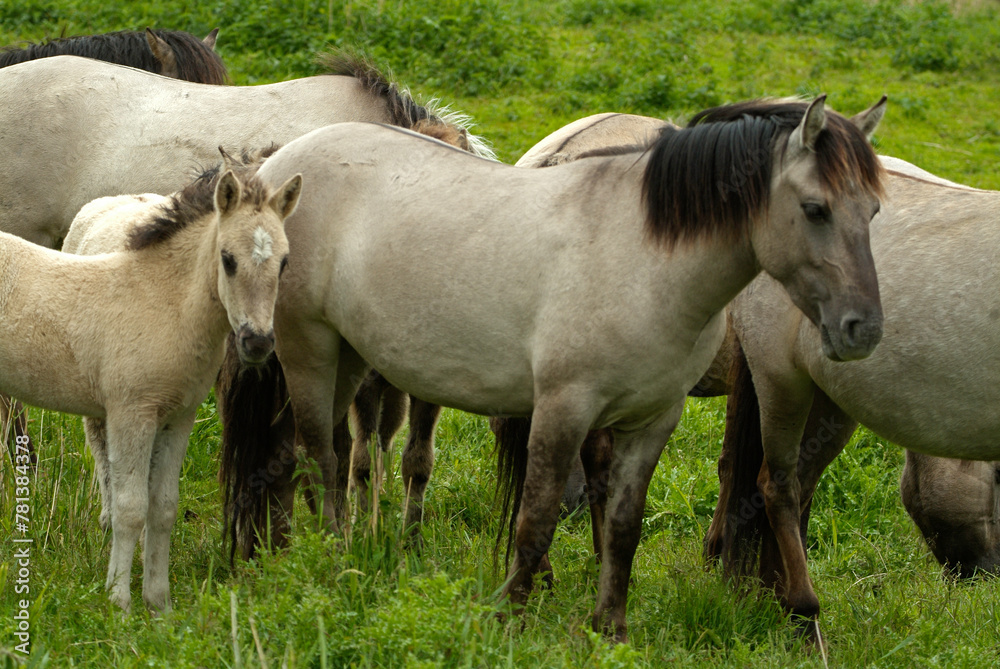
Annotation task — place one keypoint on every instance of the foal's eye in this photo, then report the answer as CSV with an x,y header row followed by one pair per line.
x,y
816,213
284,266
228,263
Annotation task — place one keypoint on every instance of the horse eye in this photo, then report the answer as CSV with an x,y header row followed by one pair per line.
x,y
228,263
815,213
284,266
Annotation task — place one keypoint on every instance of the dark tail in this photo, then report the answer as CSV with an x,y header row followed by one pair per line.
x,y
257,447
744,519
512,467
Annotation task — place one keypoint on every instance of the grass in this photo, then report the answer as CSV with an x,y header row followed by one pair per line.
x,y
524,68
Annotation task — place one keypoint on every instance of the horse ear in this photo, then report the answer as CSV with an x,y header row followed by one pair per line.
x,y
163,54
228,193
813,122
869,119
287,198
209,40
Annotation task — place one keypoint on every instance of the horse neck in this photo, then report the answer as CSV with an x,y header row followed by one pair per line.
x,y
190,259
715,270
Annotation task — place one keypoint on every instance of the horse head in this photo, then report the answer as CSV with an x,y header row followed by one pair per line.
x,y
824,193
252,254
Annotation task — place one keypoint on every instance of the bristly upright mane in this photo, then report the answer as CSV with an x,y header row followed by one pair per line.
x,y
197,199
713,178
403,109
195,60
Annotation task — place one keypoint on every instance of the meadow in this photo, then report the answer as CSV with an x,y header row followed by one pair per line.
x,y
523,69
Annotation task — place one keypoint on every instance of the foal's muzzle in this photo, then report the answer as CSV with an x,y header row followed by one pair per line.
x,y
254,347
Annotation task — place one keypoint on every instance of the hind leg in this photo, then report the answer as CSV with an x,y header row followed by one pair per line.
x,y
96,430
130,442
596,456
634,460
418,460
14,422
164,494
366,412
392,413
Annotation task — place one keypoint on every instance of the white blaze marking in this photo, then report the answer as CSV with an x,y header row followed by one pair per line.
x,y
261,246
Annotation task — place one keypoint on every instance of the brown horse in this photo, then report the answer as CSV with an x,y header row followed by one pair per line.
x,y
172,53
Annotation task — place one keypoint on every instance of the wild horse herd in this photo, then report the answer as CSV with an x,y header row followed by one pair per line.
x,y
577,298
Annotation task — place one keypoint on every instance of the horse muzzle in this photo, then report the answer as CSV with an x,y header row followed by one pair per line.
x,y
854,337
254,347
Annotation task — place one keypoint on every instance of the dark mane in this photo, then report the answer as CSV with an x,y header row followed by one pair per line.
x,y
403,109
195,60
712,178
197,199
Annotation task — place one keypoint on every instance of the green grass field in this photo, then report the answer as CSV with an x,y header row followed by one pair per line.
x,y
523,69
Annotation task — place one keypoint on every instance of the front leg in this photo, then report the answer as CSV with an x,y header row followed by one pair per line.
x,y
164,494
418,461
130,443
558,427
633,462
784,409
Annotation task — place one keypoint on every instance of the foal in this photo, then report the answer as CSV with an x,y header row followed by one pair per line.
x,y
132,340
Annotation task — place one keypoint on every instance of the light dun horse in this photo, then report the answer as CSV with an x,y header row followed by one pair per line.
x,y
132,132
133,340
928,388
588,295
954,503
171,53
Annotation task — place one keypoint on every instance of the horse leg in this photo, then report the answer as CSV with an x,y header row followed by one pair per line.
x,y
96,431
596,455
14,419
130,442
558,429
827,432
164,479
418,461
322,381
390,419
366,412
635,457
784,411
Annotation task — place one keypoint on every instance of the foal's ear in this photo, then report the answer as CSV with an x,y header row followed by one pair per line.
x,y
869,119
813,122
287,198
163,54
209,40
228,193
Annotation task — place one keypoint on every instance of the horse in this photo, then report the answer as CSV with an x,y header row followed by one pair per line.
x,y
167,52
133,339
587,295
791,412
104,129
170,53
378,410
126,131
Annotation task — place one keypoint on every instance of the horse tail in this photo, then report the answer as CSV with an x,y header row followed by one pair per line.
x,y
403,110
512,466
744,520
253,406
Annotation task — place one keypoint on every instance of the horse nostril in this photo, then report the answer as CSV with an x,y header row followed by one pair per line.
x,y
852,326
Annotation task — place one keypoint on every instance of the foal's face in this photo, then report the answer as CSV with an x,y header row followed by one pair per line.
x,y
817,246
252,254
